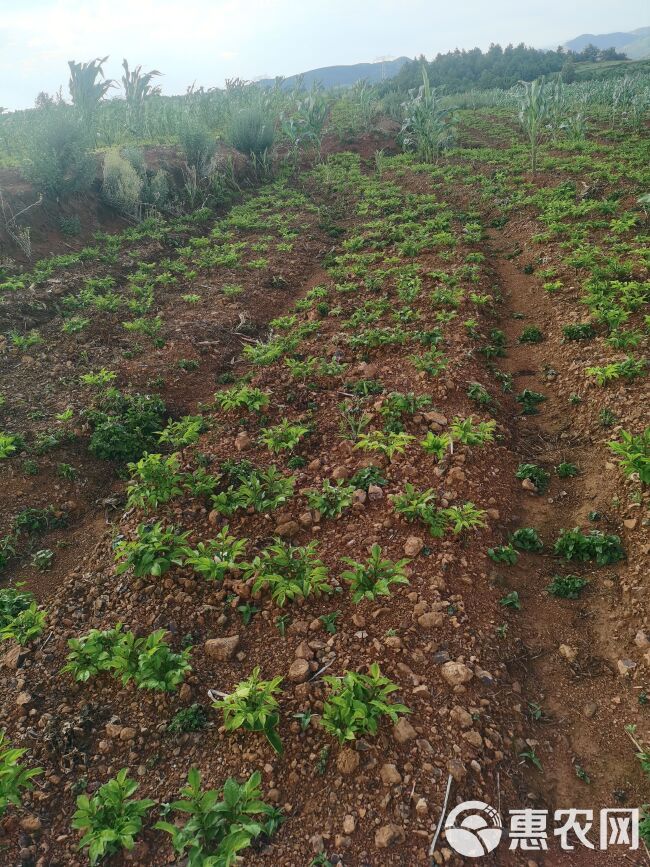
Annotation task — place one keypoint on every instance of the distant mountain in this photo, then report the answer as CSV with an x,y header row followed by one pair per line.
x,y
635,43
345,76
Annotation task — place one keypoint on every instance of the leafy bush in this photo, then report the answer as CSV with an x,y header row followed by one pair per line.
x,y
154,552
188,719
263,490
389,444
214,558
217,830
121,186
289,571
283,437
110,819
527,539
148,661
154,480
503,554
240,396
567,586
14,778
356,703
332,499
125,425
253,706
251,131
537,475
634,454
59,163
373,578
595,545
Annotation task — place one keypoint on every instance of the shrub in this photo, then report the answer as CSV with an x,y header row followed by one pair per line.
x,y
153,553
374,577
217,830
595,545
289,571
198,146
121,185
14,778
357,702
59,163
253,706
111,819
125,425
251,131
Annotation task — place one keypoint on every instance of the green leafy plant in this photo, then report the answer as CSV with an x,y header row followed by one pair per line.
x,y
389,444
511,600
567,586
283,437
155,550
332,499
216,557
262,490
289,571
470,433
594,545
356,703
183,432
529,401
155,479
367,476
14,778
9,444
222,824
436,444
26,625
110,819
253,706
580,331
503,554
374,577
242,396
531,334
535,474
527,539
634,454
567,470
188,719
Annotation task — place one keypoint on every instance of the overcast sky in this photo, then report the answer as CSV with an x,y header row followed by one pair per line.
x,y
208,41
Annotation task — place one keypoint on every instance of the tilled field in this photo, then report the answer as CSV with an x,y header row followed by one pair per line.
x,y
388,364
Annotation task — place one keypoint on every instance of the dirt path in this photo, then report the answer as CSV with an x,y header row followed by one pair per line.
x,y
570,677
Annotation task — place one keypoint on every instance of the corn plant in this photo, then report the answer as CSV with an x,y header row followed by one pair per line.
x,y
86,91
253,706
427,129
220,824
356,703
533,114
14,778
110,819
289,572
137,87
374,577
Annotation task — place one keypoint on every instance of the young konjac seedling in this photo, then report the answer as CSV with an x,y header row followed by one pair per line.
x,y
214,558
389,444
253,706
111,819
527,539
594,545
531,334
537,475
356,703
289,572
220,825
14,777
567,586
154,552
634,454
332,499
567,470
242,396
155,479
373,578
283,437
503,554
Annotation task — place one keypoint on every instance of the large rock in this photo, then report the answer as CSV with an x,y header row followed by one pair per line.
x,y
347,761
403,731
299,671
389,774
387,835
456,673
222,649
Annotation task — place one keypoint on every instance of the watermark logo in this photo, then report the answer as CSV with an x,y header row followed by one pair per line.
x,y
476,834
